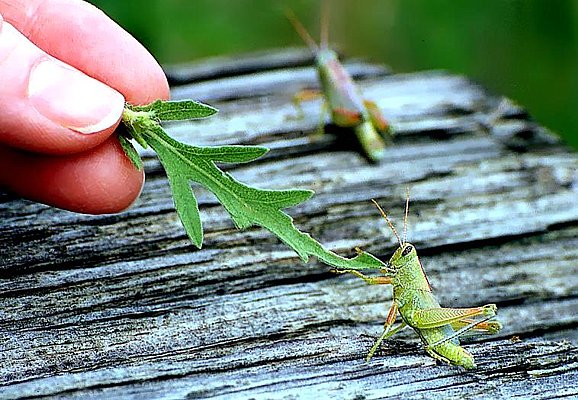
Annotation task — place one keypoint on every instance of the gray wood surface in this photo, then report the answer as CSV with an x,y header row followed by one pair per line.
x,y
123,306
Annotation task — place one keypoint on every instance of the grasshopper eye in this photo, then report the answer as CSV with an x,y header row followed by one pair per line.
x,y
406,251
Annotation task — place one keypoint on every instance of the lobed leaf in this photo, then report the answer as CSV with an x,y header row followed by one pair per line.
x,y
246,205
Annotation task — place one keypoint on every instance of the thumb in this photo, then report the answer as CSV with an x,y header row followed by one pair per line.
x,y
48,106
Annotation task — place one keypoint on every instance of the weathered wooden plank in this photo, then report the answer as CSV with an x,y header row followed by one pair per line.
x,y
239,64
124,306
264,84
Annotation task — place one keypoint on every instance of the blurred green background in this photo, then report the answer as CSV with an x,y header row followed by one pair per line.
x,y
524,49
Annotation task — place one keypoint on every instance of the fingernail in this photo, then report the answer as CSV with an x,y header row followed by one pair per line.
x,y
72,99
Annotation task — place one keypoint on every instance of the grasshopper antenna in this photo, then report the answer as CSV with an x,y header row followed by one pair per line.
x,y
301,30
384,215
324,35
405,216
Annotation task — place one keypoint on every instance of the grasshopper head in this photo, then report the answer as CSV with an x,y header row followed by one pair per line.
x,y
402,256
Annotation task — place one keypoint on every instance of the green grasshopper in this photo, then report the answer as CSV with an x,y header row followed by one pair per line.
x,y
438,328
347,108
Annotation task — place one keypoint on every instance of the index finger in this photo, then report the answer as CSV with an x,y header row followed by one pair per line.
x,y
93,43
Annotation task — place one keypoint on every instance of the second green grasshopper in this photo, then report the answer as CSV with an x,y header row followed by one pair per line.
x,y
347,107
439,328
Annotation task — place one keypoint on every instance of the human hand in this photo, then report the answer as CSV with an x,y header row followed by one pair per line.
x,y
56,122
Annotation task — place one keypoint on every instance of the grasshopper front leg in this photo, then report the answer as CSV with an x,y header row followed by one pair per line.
x,y
388,331
308,95
372,280
302,96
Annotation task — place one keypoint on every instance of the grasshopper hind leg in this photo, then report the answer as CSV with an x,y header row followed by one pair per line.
x,y
378,121
490,327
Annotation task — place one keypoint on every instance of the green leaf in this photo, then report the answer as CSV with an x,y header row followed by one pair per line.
x,y
130,152
247,206
176,110
228,154
187,207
